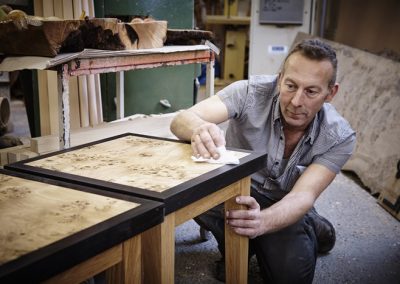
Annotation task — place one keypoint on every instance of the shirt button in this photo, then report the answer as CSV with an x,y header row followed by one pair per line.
x,y
281,138
276,163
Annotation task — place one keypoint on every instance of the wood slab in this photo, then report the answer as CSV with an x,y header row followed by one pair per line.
x,y
150,167
369,99
47,228
62,36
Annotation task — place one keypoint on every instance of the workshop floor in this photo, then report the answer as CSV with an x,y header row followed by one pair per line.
x,y
368,237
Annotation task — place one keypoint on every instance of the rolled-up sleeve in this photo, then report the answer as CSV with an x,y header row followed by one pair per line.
x,y
337,155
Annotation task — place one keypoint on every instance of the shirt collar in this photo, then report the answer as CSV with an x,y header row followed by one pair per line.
x,y
312,130
276,114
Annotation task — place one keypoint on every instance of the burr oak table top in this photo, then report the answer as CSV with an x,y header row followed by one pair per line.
x,y
156,168
47,228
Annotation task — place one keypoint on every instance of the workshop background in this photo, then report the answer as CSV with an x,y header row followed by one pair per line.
x,y
253,36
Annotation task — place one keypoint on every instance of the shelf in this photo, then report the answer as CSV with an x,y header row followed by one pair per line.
x,y
224,20
102,61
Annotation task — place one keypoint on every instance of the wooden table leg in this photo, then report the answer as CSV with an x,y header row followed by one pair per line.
x,y
158,248
129,270
236,247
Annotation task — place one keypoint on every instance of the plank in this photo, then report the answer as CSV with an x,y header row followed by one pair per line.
x,y
54,102
98,98
77,7
38,7
85,6
48,8
374,81
58,9
4,153
83,101
20,154
75,115
43,103
92,100
68,11
91,8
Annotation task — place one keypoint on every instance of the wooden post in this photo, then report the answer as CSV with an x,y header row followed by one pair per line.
x,y
236,247
120,95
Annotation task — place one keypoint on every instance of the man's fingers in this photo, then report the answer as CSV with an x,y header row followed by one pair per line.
x,y
249,201
247,232
243,223
205,140
198,146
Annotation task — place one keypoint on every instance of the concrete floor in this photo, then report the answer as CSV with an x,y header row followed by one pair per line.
x,y
368,237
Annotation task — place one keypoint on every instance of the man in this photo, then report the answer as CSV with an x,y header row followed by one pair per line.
x,y
289,116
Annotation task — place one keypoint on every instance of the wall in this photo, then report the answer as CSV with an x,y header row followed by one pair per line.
x,y
261,61
375,28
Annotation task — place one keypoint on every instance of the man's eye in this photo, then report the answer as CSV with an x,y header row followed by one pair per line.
x,y
311,93
290,86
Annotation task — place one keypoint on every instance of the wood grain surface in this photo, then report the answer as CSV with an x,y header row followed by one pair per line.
x,y
150,164
34,214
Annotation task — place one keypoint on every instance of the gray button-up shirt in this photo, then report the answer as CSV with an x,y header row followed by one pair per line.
x,y
255,124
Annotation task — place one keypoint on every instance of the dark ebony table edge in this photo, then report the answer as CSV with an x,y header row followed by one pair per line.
x,y
59,256
192,190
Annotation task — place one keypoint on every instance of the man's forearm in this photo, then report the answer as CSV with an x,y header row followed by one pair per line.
x,y
287,211
300,200
183,124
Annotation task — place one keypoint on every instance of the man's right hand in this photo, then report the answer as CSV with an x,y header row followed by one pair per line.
x,y
205,140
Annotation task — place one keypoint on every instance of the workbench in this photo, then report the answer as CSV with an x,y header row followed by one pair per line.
x,y
102,61
161,170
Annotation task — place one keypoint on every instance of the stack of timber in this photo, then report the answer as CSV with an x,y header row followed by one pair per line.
x,y
16,153
50,35
369,99
84,91
58,27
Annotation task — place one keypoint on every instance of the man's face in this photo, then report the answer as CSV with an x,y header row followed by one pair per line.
x,y
304,87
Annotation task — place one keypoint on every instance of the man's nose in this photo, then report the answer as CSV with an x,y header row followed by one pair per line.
x,y
297,99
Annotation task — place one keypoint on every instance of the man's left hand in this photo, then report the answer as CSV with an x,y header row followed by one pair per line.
x,y
246,222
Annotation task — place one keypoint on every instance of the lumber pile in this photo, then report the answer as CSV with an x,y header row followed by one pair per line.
x,y
58,26
49,35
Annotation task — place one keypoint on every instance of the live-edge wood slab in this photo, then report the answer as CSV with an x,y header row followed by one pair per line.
x,y
144,166
49,227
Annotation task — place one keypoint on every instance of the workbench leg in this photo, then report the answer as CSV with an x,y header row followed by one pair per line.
x,y
63,107
236,247
210,73
158,249
120,92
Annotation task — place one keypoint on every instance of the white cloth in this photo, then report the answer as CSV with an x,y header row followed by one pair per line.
x,y
225,157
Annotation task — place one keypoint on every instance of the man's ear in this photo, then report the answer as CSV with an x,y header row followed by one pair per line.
x,y
332,93
280,75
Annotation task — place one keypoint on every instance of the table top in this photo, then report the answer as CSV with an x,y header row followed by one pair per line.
x,y
47,228
144,166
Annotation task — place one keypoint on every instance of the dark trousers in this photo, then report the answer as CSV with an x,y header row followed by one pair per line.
x,y
286,256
